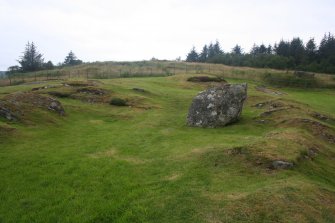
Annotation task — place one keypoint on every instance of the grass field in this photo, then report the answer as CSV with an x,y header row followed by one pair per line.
x,y
142,163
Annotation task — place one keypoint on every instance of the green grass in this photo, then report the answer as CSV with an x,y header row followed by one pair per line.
x,y
103,163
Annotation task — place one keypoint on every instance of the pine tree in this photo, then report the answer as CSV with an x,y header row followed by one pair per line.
x,y
211,52
217,49
311,50
204,54
192,56
327,47
254,50
31,60
283,48
262,49
269,49
71,59
297,50
237,50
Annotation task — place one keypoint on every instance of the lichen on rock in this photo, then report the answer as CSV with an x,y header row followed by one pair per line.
x,y
217,106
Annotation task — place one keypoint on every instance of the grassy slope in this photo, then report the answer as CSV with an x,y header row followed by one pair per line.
x,y
109,164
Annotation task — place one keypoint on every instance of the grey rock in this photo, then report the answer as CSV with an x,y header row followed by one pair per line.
x,y
7,113
138,89
56,106
279,164
217,106
14,106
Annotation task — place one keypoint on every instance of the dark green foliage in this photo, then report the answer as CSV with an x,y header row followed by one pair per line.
x,y
204,54
71,60
327,47
291,81
31,60
283,48
118,102
311,51
13,69
256,50
297,50
214,50
217,49
237,50
192,56
284,55
49,65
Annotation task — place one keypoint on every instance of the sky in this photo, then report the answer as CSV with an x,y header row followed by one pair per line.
x,y
128,30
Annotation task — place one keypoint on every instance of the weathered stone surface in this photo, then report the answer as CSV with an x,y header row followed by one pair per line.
x,y
6,112
279,164
217,106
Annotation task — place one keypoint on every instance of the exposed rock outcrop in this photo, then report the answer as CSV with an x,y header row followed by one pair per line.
x,y
217,106
14,106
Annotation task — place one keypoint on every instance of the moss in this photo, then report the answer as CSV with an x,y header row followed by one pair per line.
x,y
118,102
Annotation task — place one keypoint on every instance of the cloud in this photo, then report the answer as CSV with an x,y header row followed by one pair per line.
x,y
136,30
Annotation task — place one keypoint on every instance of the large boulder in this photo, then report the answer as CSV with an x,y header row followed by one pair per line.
x,y
217,106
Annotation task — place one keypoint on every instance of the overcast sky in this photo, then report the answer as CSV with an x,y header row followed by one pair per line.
x,y
110,30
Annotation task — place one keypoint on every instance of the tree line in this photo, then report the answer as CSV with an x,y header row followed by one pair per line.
x,y
32,60
292,54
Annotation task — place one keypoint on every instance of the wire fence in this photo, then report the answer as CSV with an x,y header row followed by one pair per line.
x,y
112,70
109,70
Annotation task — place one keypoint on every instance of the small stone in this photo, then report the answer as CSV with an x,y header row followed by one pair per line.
x,y
279,164
138,89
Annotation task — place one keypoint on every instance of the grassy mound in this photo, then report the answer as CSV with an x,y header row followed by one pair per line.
x,y
109,164
24,106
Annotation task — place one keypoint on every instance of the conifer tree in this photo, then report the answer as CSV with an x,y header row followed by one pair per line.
x,y
31,60
204,54
297,50
217,49
311,50
192,56
237,50
71,59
